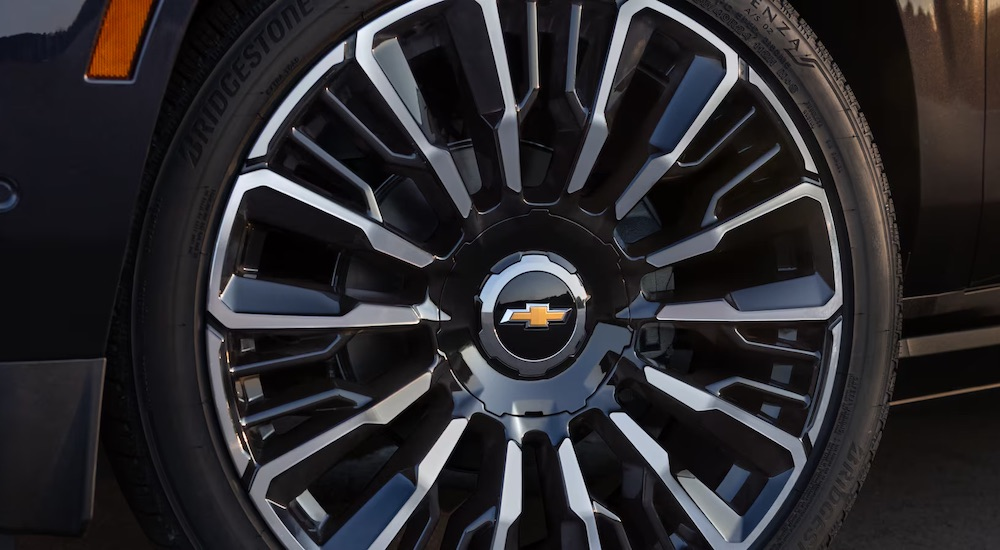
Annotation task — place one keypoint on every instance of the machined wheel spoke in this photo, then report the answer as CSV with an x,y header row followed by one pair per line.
x,y
709,239
380,238
572,59
701,91
364,132
427,473
360,316
577,495
745,343
470,530
246,295
702,401
335,57
659,461
705,84
369,522
507,129
310,402
711,214
720,386
380,413
754,78
291,361
510,497
616,524
330,162
403,492
215,344
719,145
534,78
810,291
803,299
391,75
826,391
726,521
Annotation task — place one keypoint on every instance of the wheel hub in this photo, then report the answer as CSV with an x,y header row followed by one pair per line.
x,y
533,314
531,343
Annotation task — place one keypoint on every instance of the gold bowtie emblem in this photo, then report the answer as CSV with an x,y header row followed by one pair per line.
x,y
535,316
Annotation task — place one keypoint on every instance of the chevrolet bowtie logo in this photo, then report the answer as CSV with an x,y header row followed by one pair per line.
x,y
535,316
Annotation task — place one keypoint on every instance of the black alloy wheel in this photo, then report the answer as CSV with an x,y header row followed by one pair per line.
x,y
511,274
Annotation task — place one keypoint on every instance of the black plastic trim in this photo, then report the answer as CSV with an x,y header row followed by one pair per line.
x,y
48,459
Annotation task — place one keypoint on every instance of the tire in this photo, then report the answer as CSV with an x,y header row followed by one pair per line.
x,y
165,426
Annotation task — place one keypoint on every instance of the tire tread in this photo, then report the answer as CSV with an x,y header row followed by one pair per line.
x,y
215,27
853,111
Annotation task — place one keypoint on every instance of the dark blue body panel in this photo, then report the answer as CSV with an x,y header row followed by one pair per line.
x,y
76,151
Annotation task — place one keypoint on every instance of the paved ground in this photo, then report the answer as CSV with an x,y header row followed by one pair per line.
x,y
935,483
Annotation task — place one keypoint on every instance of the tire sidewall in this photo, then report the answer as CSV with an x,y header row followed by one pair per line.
x,y
180,229
813,91
179,415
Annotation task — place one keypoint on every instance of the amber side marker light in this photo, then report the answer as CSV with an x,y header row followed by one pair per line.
x,y
120,39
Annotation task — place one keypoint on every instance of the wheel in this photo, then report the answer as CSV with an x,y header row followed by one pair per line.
x,y
515,274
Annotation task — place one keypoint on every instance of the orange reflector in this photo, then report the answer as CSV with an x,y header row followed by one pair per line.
x,y
120,39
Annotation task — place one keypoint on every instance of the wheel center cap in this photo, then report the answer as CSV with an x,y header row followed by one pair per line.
x,y
533,313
